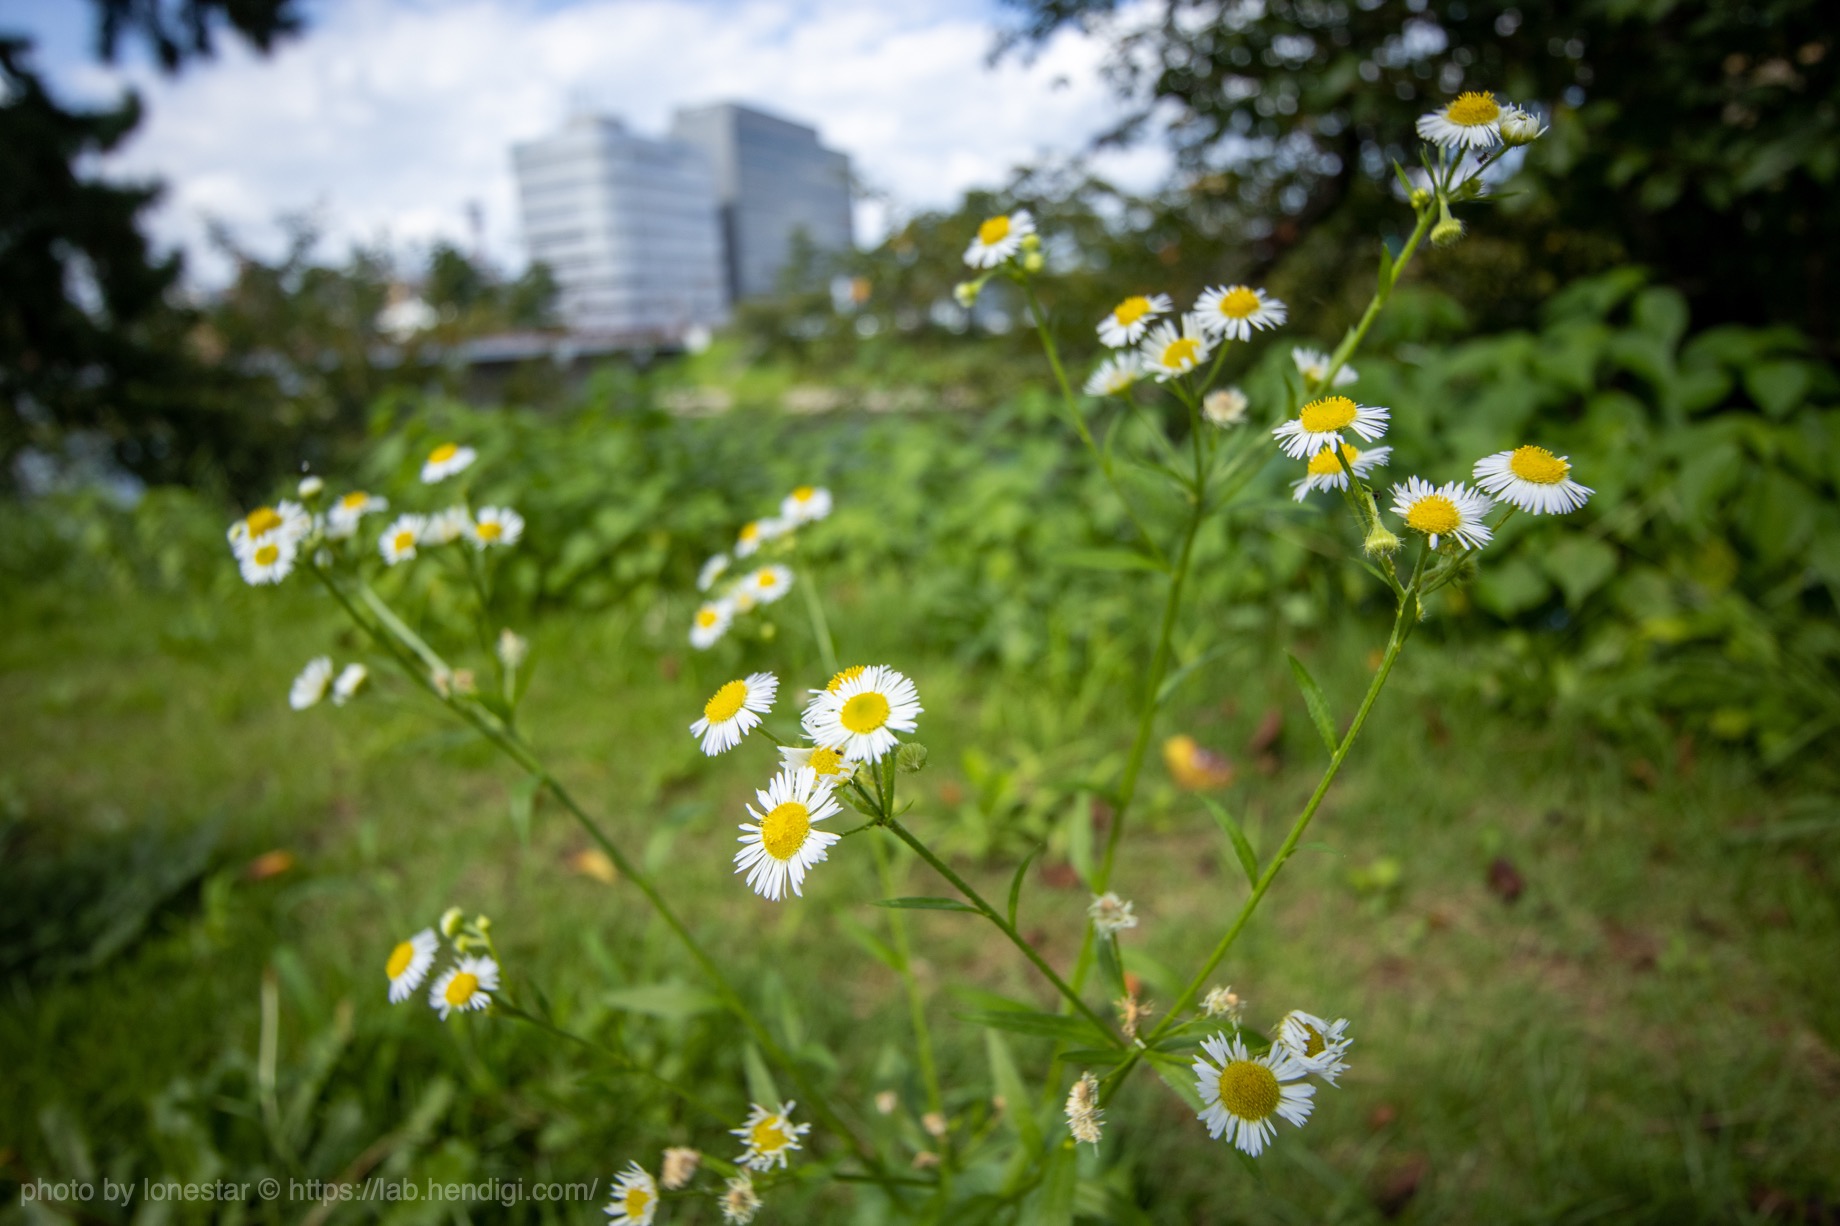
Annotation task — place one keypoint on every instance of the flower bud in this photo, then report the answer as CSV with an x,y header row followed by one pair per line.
x,y
1420,197
965,293
1031,242
451,919
910,759
1519,127
310,488
1033,262
1446,232
1380,542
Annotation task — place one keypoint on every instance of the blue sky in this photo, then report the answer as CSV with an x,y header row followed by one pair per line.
x,y
390,117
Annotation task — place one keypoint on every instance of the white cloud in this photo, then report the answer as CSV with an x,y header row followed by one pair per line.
x,y
390,117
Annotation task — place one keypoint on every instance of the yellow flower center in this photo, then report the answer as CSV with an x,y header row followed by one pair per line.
x,y
636,1200
443,453
849,674
268,555
864,713
355,500
460,988
826,761
1472,109
1239,303
1328,414
400,957
783,831
750,530
1538,465
993,231
1324,463
804,493
1434,515
404,541
1314,1045
1185,351
1131,310
706,618
490,530
767,1136
767,580
1249,1090
726,702
262,521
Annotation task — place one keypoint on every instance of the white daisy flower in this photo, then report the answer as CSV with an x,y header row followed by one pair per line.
x,y
1168,352
1321,423
710,622
1520,127
1242,1093
829,765
740,1202
1452,509
734,711
409,964
712,570
495,526
779,851
1325,472
769,1136
769,583
1313,365
1225,406
1533,479
446,460
1472,121
343,516
1232,312
467,985
999,238
1111,914
285,521
862,714
269,560
1115,376
758,532
1316,1044
678,1167
635,1198
398,542
446,527
805,505
1130,319
311,487
351,680
311,685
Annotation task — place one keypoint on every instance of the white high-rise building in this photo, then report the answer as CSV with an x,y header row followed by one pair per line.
x,y
628,226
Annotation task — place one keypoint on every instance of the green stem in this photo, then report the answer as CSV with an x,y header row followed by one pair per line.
x,y
1072,404
990,913
623,1063
1358,333
916,1002
820,627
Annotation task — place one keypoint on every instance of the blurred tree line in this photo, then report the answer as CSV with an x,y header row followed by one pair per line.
x,y
99,342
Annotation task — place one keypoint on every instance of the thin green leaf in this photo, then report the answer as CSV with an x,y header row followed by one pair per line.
x,y
1106,559
1080,837
1051,1204
1241,847
1039,1025
1182,674
1111,963
927,904
1386,273
1015,883
1091,1057
673,1001
1317,704
874,945
760,1081
1019,1111
1178,1075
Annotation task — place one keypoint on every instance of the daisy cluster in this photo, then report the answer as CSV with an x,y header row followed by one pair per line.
x,y
468,980
1152,343
731,592
768,1136
1462,139
1244,1093
852,722
268,541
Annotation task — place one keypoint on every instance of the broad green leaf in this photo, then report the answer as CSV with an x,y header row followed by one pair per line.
x,y
1178,1075
674,1001
1317,704
928,904
1051,1204
1241,847
1040,1025
1580,565
1105,559
1019,1110
1015,883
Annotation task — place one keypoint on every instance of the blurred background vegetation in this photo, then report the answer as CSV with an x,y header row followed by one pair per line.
x,y
1580,894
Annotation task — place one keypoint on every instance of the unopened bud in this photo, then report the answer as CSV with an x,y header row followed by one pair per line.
x,y
1446,232
451,919
1420,197
1520,127
1033,262
910,759
310,488
1031,242
1380,542
965,293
